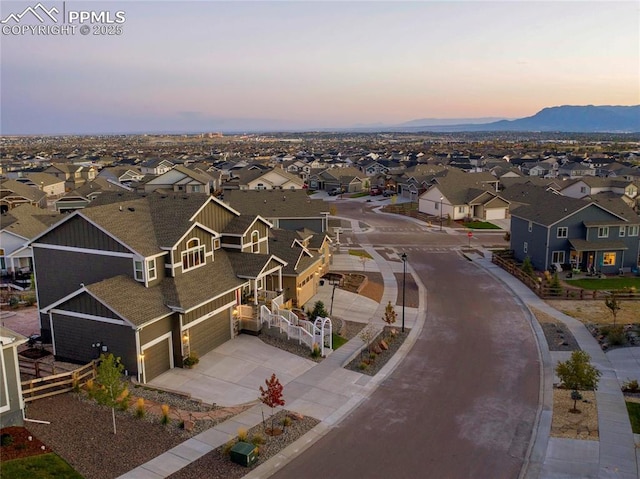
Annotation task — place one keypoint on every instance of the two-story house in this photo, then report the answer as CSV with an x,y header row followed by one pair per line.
x,y
150,278
552,229
73,175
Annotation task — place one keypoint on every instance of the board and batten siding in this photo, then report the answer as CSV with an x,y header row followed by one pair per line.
x,y
214,216
221,301
204,237
79,233
156,329
59,273
87,304
10,402
75,336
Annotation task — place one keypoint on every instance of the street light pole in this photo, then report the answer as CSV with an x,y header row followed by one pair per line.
x,y
404,275
441,198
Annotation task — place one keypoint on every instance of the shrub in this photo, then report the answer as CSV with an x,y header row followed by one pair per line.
x,y
6,440
29,299
615,336
165,414
124,399
14,302
507,236
527,267
140,410
362,366
315,352
243,434
258,439
191,360
630,386
372,356
286,421
226,449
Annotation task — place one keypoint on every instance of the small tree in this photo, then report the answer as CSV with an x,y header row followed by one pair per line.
x,y
390,315
614,306
110,384
272,395
527,267
318,310
577,373
366,335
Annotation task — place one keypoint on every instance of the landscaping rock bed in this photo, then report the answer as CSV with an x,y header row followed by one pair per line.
x,y
362,363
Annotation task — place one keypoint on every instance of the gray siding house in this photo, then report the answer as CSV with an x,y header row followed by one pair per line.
x,y
150,278
553,230
11,402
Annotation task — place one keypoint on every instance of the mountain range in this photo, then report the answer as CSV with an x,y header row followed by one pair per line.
x,y
566,118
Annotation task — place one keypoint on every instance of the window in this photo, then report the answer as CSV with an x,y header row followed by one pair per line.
x,y
138,270
557,257
193,256
530,226
460,209
633,230
608,259
603,232
583,189
151,268
623,230
255,245
216,243
525,247
563,232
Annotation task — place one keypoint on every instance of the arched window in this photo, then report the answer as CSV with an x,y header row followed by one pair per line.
x,y
255,245
193,256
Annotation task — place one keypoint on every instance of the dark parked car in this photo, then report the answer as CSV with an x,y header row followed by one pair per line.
x,y
389,192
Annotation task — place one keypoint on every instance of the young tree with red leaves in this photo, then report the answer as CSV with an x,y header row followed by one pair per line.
x,y
272,395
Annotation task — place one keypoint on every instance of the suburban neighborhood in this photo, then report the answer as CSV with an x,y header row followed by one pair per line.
x,y
171,251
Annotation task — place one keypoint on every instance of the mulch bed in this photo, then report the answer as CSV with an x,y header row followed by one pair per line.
x,y
363,364
19,442
558,337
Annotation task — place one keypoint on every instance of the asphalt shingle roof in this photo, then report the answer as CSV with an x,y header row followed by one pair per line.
x,y
130,299
28,221
275,203
202,284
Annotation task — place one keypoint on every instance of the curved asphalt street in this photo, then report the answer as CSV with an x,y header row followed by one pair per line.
x,y
463,402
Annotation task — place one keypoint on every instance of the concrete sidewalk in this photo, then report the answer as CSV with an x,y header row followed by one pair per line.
x,y
614,455
329,392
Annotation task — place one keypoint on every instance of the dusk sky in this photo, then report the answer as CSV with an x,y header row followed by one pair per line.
x,y
221,66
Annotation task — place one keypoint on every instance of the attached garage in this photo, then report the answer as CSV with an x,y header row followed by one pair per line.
x,y
210,333
157,358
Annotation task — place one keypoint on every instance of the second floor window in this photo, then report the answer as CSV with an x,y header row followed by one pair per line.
x,y
151,268
255,245
603,232
563,232
138,270
633,230
193,256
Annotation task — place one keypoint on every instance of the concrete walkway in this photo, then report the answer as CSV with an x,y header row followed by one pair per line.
x,y
329,392
614,455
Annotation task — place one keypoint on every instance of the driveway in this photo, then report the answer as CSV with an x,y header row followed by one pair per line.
x,y
232,373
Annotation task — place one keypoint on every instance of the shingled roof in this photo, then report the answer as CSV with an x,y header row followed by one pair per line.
x,y
28,221
276,203
287,246
146,223
129,299
202,284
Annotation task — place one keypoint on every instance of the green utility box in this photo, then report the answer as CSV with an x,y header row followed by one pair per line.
x,y
244,454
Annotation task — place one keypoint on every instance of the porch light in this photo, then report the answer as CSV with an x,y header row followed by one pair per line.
x,y
235,312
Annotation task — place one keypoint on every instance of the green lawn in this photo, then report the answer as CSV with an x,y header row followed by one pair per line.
x,y
480,225
43,466
634,416
606,283
337,341
358,252
359,194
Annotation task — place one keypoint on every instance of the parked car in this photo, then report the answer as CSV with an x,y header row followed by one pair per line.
x,y
375,191
335,192
389,192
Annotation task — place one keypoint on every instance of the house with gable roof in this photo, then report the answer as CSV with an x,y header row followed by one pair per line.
x,y
573,233
458,195
13,193
154,278
181,179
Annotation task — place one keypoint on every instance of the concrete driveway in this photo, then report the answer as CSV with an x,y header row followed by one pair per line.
x,y
232,373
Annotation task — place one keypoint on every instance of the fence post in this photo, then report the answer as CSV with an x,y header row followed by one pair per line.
x,y
36,367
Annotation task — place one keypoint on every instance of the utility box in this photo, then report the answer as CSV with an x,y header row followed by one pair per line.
x,y
244,454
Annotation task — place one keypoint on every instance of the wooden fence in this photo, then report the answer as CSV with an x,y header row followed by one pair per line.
x,y
36,368
546,290
57,383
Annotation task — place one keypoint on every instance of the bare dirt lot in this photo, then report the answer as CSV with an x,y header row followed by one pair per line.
x,y
595,312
